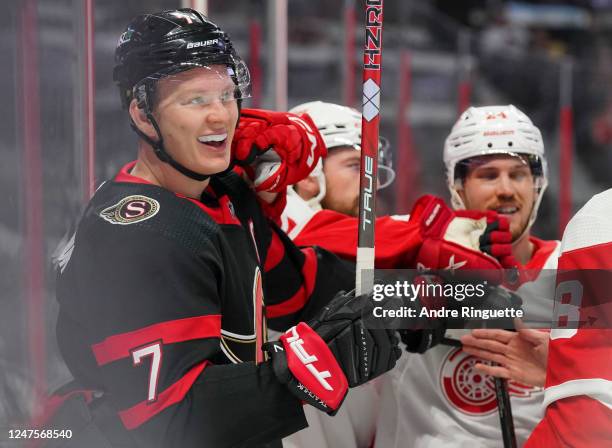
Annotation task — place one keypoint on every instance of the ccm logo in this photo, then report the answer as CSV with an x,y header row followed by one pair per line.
x,y
297,346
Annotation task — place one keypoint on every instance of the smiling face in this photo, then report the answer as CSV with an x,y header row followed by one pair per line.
x,y
503,183
197,115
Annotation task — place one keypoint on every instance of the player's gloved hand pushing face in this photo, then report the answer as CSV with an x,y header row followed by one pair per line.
x,y
277,148
320,360
467,239
462,239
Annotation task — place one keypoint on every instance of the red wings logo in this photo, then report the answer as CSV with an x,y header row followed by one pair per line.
x,y
470,391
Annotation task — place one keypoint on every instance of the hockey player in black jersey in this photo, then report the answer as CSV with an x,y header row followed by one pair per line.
x,y
166,285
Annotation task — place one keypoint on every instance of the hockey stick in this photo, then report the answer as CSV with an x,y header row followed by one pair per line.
x,y
504,407
505,412
370,118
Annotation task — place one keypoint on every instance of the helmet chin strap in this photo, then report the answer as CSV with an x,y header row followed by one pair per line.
x,y
160,150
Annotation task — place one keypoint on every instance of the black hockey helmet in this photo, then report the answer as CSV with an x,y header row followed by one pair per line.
x,y
158,45
169,42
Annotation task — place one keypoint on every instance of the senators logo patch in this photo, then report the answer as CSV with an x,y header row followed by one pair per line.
x,y
130,210
470,391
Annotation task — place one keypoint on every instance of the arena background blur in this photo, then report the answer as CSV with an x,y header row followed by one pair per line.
x,y
552,59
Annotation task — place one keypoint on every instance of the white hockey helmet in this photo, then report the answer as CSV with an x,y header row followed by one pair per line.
x,y
495,130
341,126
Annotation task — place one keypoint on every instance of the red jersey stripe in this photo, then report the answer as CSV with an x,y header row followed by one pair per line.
x,y
221,214
143,411
276,252
124,175
309,270
119,346
299,299
578,422
541,253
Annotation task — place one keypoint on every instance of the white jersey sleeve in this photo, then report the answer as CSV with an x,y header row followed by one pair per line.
x,y
578,395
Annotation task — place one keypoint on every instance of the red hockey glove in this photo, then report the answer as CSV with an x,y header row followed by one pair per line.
x,y
281,147
274,210
304,362
497,242
335,351
452,239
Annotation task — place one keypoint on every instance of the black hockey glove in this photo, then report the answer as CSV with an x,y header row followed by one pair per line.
x,y
363,353
424,333
479,309
419,341
320,360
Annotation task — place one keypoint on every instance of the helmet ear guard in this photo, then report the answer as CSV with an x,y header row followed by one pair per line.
x,y
144,93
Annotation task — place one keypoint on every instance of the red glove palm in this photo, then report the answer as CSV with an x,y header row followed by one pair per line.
x,y
462,239
282,148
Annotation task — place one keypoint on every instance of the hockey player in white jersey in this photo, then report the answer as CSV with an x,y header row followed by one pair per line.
x,y
494,158
321,210
578,394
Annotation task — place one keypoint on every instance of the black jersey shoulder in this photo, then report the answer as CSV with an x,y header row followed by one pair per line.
x,y
148,211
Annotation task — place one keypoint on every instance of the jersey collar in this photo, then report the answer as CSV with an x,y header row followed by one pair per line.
x,y
124,175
